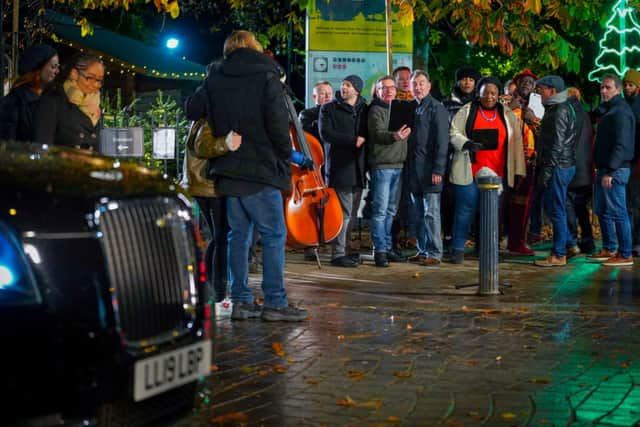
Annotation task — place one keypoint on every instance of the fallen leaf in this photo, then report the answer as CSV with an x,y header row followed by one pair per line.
x,y
416,275
248,369
340,337
356,375
313,381
540,380
625,365
454,423
421,334
291,360
347,402
360,336
408,350
375,404
371,307
280,369
403,374
214,368
334,305
239,417
277,349
393,419
409,327
508,415
498,358
472,362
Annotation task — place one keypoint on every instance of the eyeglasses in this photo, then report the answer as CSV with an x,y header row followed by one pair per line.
x,y
91,79
386,87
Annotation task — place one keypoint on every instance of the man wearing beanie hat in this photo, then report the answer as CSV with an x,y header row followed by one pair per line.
x,y
631,82
38,66
343,128
560,132
462,93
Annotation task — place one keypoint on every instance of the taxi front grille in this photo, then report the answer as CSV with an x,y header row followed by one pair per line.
x,y
147,249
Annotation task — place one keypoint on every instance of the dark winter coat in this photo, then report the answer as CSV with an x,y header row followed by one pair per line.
x,y
340,124
309,119
560,131
58,121
615,137
634,103
243,93
16,114
428,146
584,149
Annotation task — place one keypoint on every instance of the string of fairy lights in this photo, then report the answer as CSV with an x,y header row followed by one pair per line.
x,y
129,68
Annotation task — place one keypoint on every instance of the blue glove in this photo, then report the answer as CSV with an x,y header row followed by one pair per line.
x,y
302,161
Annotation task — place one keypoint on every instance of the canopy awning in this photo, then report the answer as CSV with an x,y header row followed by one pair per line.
x,y
129,54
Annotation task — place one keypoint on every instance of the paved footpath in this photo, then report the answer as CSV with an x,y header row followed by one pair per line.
x,y
403,346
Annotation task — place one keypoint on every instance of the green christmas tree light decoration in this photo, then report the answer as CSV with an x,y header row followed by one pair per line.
x,y
620,44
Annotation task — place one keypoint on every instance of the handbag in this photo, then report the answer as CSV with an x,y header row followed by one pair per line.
x,y
201,146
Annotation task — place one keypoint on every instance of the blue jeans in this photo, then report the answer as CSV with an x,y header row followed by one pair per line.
x,y
263,210
386,187
466,205
427,214
611,208
555,205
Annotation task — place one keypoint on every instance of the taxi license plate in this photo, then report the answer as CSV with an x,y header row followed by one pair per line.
x,y
166,371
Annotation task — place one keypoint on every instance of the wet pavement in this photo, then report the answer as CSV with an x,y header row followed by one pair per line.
x,y
402,346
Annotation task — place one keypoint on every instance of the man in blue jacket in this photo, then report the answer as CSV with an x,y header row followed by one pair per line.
x,y
614,147
427,161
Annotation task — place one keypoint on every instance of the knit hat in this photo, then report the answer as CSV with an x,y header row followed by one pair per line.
x,y
632,76
489,79
35,57
526,72
355,81
465,71
555,82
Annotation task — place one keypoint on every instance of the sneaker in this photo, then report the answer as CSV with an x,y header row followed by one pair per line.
x,y
573,251
551,261
601,255
245,310
523,250
618,261
427,262
284,314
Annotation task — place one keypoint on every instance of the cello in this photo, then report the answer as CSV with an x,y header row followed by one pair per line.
x,y
312,211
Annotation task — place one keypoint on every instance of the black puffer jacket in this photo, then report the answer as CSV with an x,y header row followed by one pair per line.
x,y
340,124
615,137
16,114
243,93
58,121
559,133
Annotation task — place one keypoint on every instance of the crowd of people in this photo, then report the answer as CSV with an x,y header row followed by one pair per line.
x,y
418,156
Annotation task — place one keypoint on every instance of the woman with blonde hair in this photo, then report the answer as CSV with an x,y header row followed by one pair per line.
x,y
69,112
38,67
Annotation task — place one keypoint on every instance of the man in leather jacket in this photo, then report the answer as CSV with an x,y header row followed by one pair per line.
x,y
559,131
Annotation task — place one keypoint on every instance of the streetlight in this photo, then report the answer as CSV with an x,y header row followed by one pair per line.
x,y
172,43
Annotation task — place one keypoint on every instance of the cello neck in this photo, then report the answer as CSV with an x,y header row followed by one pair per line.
x,y
303,145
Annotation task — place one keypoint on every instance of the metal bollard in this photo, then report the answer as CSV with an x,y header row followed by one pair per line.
x,y
489,236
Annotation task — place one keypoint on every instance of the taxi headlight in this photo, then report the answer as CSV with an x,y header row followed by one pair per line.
x,y
17,283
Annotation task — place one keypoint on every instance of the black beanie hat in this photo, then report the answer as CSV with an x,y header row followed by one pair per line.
x,y
35,57
466,71
355,81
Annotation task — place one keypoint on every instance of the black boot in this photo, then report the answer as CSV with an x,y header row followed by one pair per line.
x,y
381,259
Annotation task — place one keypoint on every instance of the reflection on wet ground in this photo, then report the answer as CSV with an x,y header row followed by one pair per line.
x,y
403,346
